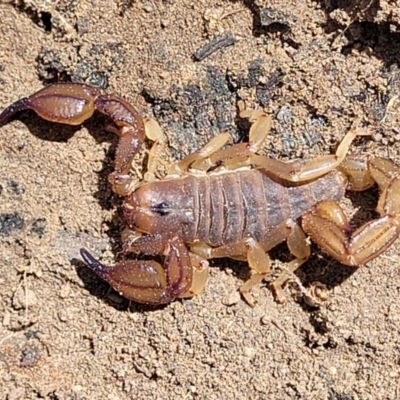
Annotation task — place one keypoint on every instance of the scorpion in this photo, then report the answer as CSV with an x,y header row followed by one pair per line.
x,y
224,201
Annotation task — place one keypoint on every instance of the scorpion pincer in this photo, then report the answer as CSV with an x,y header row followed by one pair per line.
x,y
224,202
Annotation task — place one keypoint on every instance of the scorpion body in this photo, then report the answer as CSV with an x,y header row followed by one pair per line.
x,y
224,202
225,208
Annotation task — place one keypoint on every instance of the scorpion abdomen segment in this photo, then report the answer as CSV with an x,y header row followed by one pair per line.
x,y
232,206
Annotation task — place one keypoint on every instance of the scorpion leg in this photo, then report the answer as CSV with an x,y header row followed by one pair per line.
x,y
260,264
244,154
74,103
200,275
199,160
298,246
257,257
298,171
208,156
355,167
259,130
247,249
148,281
154,133
375,236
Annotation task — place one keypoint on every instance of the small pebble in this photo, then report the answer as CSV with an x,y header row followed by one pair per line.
x,y
6,318
17,394
231,299
249,352
164,74
65,290
63,315
24,298
164,23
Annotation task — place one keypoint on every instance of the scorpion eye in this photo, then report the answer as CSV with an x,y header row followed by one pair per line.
x,y
162,208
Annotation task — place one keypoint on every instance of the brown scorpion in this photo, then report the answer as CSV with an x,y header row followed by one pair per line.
x,y
224,202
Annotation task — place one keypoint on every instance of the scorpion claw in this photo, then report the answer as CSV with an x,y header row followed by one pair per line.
x,y
141,281
73,104
95,265
22,104
67,103
147,281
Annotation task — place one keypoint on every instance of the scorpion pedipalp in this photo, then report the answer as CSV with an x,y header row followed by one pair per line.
x,y
74,103
147,281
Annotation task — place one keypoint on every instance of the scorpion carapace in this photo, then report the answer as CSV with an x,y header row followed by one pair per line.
x,y
224,202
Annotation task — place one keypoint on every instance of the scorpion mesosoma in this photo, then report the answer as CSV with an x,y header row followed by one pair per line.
x,y
224,202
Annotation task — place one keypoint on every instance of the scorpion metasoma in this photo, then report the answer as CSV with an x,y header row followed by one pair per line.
x,y
224,202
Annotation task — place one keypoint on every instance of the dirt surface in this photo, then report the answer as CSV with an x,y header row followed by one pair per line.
x,y
319,67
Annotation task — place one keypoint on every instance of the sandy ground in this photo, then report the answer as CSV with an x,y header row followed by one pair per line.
x,y
319,67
